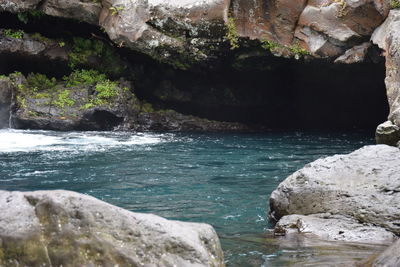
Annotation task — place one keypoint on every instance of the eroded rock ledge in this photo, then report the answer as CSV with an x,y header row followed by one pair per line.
x,y
63,228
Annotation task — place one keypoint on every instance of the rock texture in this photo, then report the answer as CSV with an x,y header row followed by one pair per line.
x,y
390,257
362,186
333,228
83,107
54,228
387,37
186,32
6,94
387,133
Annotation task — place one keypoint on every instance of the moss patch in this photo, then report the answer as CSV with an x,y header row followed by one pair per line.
x,y
97,54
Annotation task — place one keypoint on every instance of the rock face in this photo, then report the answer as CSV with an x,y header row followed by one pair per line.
x,y
387,37
54,228
362,186
387,133
6,95
102,104
186,32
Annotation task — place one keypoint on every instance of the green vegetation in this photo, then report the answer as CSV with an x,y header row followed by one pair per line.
x,y
296,50
24,16
394,4
13,34
84,77
38,82
85,52
64,100
116,9
61,44
105,90
232,35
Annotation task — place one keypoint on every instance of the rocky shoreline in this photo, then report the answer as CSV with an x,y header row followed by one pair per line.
x,y
351,198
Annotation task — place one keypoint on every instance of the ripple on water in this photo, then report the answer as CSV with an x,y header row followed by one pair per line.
x,y
221,179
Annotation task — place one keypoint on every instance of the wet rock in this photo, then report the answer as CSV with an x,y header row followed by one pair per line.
x,y
387,133
63,228
333,228
98,105
363,185
387,37
390,257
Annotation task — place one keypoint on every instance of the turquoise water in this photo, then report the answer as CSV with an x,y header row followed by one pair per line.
x,y
221,179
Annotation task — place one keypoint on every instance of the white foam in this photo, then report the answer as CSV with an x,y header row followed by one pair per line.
x,y
27,141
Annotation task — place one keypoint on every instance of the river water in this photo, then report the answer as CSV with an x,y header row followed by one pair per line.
x,y
221,179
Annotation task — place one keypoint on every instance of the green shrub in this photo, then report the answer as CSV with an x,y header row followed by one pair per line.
x,y
84,77
394,4
64,100
13,34
232,35
108,61
40,82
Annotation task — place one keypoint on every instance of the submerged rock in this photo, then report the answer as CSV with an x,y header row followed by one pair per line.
x,y
333,228
362,186
54,228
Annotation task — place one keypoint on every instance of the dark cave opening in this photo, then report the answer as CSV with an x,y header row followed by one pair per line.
x,y
277,94
265,92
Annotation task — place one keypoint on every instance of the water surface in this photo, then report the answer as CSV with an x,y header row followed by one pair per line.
x,y
221,179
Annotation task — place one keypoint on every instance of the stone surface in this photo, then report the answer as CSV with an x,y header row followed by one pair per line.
x,y
54,228
387,37
33,46
357,54
387,133
171,31
16,6
363,185
333,228
390,257
6,94
71,108
82,10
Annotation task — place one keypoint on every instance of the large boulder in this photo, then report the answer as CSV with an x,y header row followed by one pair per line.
x,y
363,185
63,228
390,257
387,37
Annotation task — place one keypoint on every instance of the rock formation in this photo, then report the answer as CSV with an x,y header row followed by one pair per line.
x,y
62,228
387,37
344,197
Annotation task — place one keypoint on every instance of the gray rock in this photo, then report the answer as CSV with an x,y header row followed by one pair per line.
x,y
390,257
6,95
387,37
357,54
62,228
363,185
387,133
333,228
